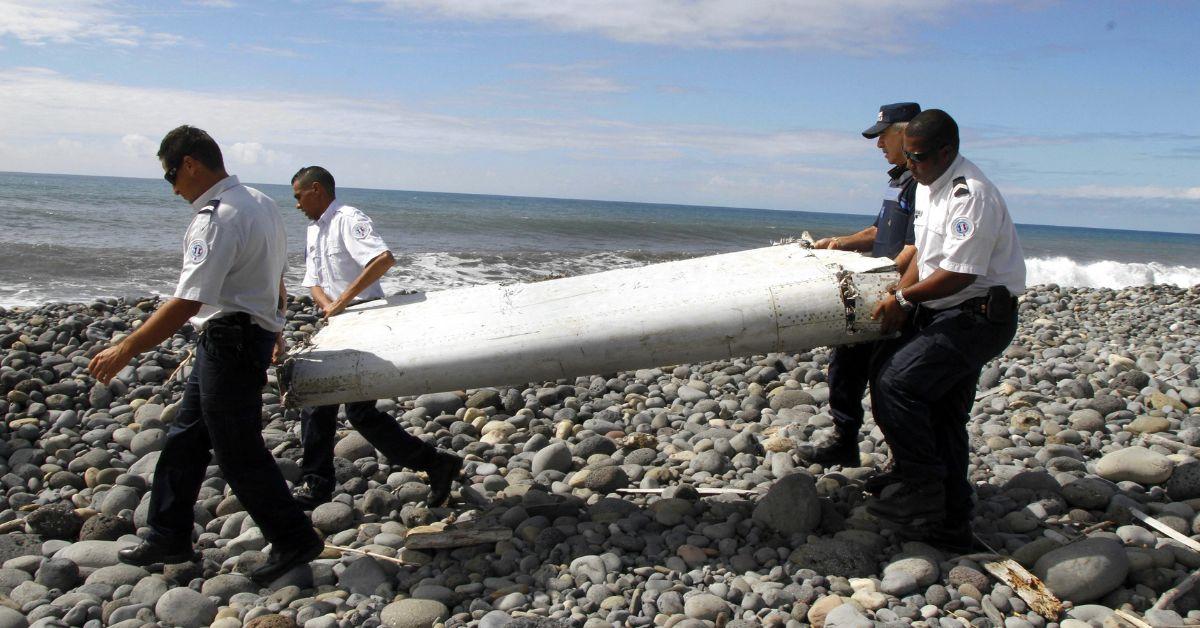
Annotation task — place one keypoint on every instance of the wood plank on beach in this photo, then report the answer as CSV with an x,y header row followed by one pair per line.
x,y
702,491
439,537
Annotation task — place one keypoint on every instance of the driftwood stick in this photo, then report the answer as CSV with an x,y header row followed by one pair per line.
x,y
12,526
1131,619
1165,529
702,491
186,359
371,554
1028,586
1170,595
430,537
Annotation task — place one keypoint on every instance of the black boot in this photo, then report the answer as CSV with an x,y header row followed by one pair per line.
x,y
911,502
876,483
151,552
312,493
443,470
281,561
842,450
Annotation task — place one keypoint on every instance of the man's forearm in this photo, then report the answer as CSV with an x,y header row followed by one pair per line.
x,y
319,297
905,259
374,269
861,241
942,283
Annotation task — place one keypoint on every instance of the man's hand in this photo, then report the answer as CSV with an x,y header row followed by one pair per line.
x,y
894,317
335,308
280,350
826,243
106,364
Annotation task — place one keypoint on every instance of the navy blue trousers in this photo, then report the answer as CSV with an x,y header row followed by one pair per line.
x,y
319,424
221,414
849,371
922,391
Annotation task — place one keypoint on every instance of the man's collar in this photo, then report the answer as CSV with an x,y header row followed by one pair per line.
x,y
947,175
333,208
897,171
217,188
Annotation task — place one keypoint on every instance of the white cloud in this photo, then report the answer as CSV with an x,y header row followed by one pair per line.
x,y
858,26
37,22
41,102
137,145
1139,192
251,153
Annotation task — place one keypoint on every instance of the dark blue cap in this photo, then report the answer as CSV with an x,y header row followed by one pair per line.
x,y
889,114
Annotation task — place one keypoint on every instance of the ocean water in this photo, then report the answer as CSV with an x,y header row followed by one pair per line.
x,y
75,238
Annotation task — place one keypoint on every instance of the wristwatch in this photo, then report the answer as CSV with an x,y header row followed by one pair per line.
x,y
905,304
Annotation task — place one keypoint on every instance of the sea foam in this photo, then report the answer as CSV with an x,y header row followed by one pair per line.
x,y
1106,273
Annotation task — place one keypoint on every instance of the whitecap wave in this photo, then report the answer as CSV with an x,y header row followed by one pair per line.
x,y
1067,272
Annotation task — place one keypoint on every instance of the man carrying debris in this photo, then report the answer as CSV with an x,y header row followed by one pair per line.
x,y
957,310
343,261
891,235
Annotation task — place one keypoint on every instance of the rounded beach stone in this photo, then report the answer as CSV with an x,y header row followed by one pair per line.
x,y
791,505
332,517
553,457
186,608
1136,464
353,446
704,606
413,613
1084,571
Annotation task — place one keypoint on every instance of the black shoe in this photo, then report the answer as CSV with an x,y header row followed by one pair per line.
x,y
443,471
876,483
842,451
150,553
312,494
280,562
911,502
956,538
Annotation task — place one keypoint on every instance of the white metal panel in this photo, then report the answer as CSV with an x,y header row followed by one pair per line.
x,y
779,298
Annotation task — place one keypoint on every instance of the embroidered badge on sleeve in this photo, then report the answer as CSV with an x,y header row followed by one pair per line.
x,y
961,228
197,251
360,230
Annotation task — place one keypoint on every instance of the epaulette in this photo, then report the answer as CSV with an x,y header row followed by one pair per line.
x,y
960,187
210,207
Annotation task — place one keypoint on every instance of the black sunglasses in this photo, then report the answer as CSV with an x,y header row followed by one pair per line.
x,y
173,173
920,157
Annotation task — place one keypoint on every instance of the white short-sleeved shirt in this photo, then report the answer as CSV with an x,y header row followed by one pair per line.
x,y
963,226
234,255
339,245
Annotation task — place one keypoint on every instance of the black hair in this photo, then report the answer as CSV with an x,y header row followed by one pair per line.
x,y
308,174
936,126
184,141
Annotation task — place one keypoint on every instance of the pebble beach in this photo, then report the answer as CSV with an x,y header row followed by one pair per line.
x,y
1091,417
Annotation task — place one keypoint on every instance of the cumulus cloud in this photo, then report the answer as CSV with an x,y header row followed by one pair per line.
x,y
137,145
251,153
36,22
41,102
859,26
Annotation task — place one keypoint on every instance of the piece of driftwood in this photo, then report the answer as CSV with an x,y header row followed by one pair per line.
x,y
702,491
1132,619
1173,445
1170,595
182,363
1165,529
1028,586
438,537
12,526
348,550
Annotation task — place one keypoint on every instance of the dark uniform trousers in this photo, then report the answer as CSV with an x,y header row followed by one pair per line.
x,y
849,371
221,411
319,424
922,391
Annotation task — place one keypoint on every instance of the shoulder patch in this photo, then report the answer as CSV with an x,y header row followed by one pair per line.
x,y
211,206
961,228
360,230
960,187
197,251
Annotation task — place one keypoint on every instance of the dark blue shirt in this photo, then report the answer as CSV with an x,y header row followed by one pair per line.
x,y
894,224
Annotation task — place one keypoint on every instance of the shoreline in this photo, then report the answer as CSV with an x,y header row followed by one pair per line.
x,y
1094,410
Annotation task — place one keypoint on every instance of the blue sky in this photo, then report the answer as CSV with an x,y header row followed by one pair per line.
x,y
1084,113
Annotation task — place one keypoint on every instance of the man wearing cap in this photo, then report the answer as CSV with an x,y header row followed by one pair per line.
x,y
957,310
891,235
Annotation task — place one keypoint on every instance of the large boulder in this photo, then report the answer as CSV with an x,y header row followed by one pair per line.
x,y
791,506
1084,571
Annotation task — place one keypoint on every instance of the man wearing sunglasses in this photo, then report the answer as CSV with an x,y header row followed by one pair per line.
x,y
891,235
231,288
343,261
956,309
